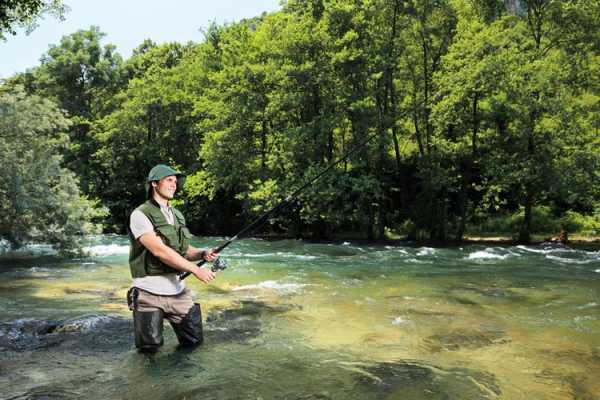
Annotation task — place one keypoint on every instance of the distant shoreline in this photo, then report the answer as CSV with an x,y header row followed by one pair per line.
x,y
575,241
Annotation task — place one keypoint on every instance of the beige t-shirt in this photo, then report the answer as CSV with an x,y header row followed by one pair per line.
x,y
165,284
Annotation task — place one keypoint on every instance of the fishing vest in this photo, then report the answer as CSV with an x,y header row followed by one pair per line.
x,y
141,261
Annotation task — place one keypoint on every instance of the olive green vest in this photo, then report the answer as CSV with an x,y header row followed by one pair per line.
x,y
141,261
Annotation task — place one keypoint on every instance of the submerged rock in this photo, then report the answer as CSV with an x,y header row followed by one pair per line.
x,y
493,292
461,300
465,339
93,333
411,380
47,393
428,313
90,333
241,323
27,334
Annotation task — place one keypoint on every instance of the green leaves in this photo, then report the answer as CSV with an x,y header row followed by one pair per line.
x,y
475,107
41,201
25,13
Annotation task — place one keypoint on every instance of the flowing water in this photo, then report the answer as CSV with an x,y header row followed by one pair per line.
x,y
296,320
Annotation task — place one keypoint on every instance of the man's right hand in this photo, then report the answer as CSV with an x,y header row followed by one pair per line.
x,y
204,274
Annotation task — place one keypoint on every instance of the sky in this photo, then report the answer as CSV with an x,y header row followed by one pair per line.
x,y
126,24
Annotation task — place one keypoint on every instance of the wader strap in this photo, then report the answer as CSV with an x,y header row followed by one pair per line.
x,y
132,297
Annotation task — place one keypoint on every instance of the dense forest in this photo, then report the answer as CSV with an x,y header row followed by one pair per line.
x,y
471,116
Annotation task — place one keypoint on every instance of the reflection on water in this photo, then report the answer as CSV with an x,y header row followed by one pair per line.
x,y
295,320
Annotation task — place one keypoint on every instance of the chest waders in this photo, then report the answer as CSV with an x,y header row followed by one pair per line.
x,y
148,324
148,317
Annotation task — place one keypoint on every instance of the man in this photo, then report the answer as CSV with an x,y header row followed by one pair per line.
x,y
160,248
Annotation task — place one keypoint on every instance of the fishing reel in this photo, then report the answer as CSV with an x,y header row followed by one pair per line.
x,y
218,265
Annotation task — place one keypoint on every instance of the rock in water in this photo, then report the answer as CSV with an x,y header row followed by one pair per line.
x,y
414,380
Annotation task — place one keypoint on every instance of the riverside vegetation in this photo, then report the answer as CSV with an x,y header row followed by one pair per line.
x,y
486,117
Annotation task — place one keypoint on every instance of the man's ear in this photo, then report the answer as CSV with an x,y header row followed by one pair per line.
x,y
154,184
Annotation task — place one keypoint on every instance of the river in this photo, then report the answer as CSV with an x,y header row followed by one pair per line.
x,y
297,320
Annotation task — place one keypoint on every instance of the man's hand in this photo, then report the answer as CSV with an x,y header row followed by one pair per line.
x,y
170,257
210,255
204,274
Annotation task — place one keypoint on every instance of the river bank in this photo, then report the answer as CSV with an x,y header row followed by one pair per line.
x,y
579,241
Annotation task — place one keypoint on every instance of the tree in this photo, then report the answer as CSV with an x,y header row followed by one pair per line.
x,y
430,31
25,13
152,124
40,200
82,77
552,27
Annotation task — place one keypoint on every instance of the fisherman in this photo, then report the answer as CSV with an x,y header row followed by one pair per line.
x,y
160,249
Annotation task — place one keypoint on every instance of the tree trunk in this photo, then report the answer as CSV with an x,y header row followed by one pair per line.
x,y
462,218
468,171
525,233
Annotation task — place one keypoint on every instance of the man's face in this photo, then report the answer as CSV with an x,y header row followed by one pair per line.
x,y
166,187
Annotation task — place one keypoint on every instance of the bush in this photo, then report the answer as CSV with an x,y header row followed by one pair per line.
x,y
40,201
588,225
543,221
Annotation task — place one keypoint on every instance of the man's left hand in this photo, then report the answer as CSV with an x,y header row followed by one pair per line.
x,y
210,255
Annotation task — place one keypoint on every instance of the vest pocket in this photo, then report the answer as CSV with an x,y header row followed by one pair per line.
x,y
186,233
185,238
169,235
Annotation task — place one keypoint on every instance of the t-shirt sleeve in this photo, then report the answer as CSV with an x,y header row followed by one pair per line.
x,y
139,224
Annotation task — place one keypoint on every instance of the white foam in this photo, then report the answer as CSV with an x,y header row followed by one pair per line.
x,y
40,269
487,254
273,285
396,249
277,254
400,321
417,261
545,250
426,251
346,244
106,250
34,249
588,305
297,256
533,250
598,270
568,260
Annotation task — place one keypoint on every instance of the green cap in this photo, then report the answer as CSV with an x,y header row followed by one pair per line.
x,y
162,171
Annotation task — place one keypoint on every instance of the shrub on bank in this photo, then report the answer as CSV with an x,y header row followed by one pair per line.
x,y
544,221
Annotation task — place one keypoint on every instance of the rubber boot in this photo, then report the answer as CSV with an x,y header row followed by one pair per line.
x,y
148,326
189,330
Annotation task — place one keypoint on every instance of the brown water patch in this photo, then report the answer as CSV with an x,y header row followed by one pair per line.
x,y
579,387
243,322
416,380
463,339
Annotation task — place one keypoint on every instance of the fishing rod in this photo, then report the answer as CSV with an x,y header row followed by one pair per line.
x,y
219,265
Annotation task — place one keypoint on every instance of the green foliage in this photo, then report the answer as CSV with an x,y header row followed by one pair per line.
x,y
476,108
506,224
82,77
545,222
41,200
152,124
588,225
25,14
